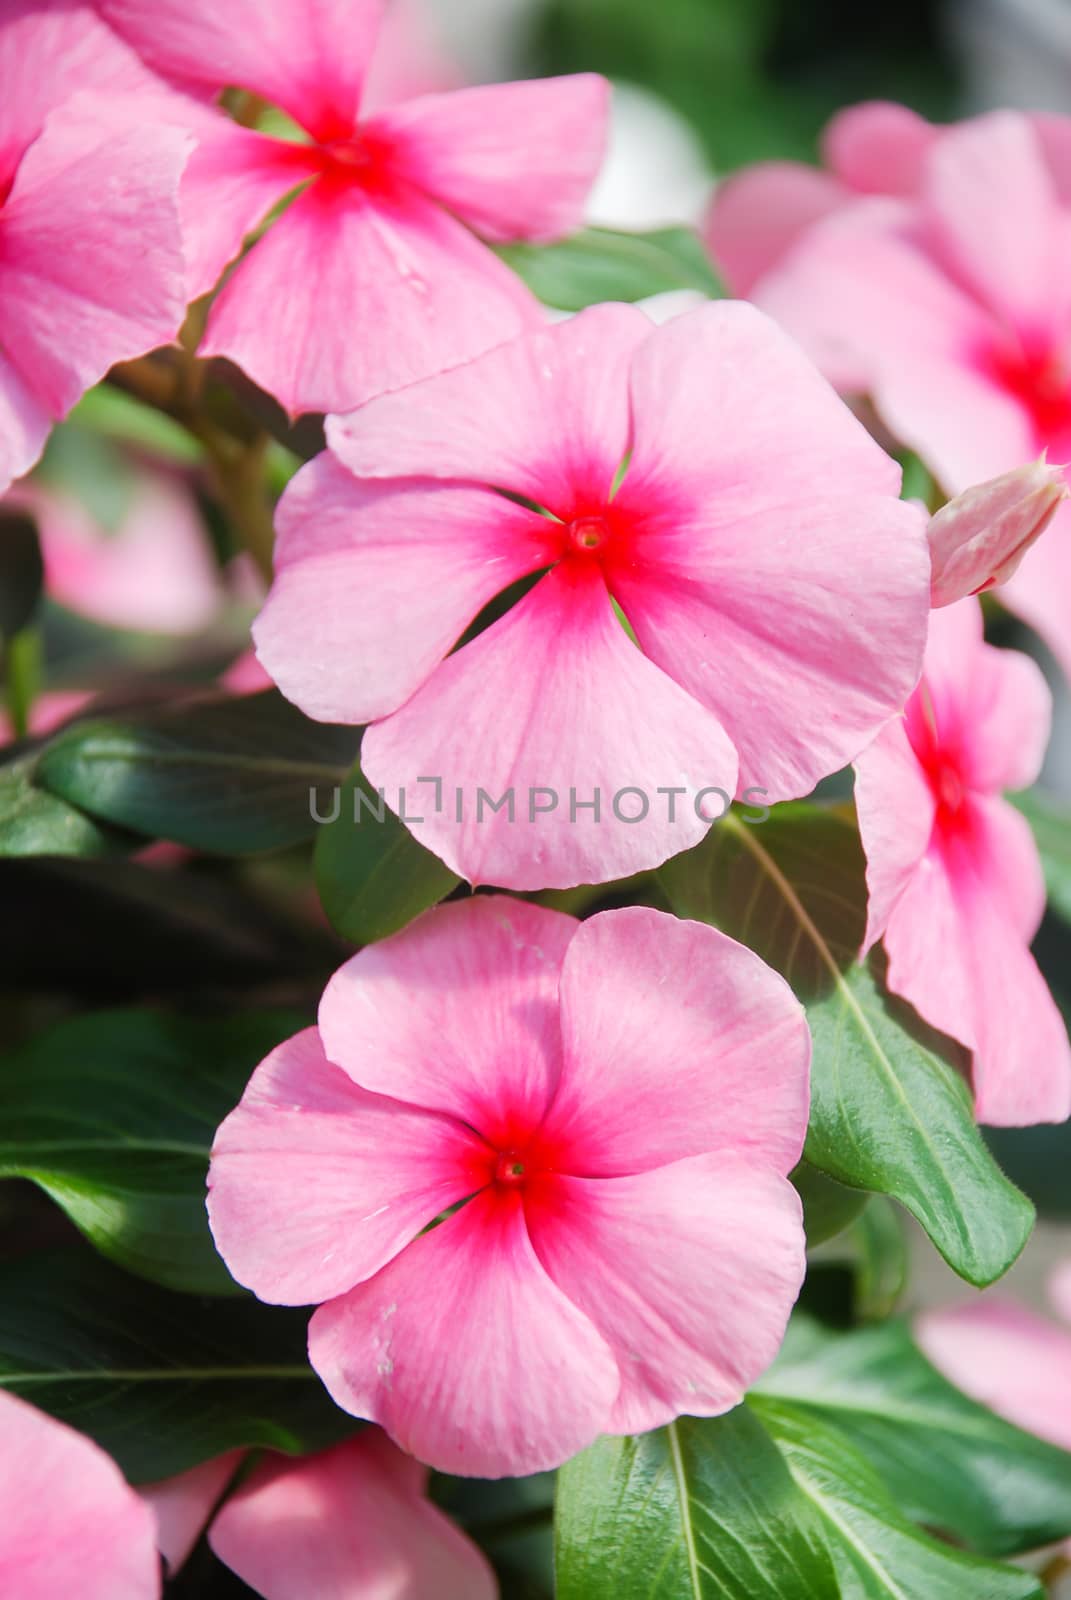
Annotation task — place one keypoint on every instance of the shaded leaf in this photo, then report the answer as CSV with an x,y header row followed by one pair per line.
x,y
36,823
599,264
890,1108
1050,820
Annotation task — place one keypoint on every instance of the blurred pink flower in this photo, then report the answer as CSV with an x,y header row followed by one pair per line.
x,y
1007,1357
350,1523
374,276
49,711
955,883
71,1525
91,264
952,310
777,588
617,1102
154,571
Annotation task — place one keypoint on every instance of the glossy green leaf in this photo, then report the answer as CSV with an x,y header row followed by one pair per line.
x,y
228,774
700,1510
1050,819
598,265
890,1108
36,823
950,1463
828,1207
877,1553
372,873
114,1114
160,1380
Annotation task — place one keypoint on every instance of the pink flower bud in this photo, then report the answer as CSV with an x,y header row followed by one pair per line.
x,y
978,539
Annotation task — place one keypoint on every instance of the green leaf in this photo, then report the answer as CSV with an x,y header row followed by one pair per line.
x,y
230,775
949,1462
160,1380
890,1111
114,1114
598,265
828,1207
372,873
117,415
36,823
22,571
698,1510
1050,819
877,1553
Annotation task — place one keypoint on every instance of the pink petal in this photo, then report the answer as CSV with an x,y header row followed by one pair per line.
x,y
957,951
993,167
879,147
979,538
688,1271
556,705
314,1183
75,296
412,288
385,578
234,178
466,150
1059,1289
1040,591
72,1525
347,1524
677,1041
754,526
458,1012
183,1505
1053,133
758,214
308,56
545,416
410,58
467,1353
896,810
24,424
1006,1357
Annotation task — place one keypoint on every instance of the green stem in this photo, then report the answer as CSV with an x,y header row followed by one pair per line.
x,y
22,666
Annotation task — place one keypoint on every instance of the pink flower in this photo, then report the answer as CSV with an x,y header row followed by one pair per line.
x,y
979,538
951,309
372,278
352,1523
91,265
616,1102
71,1524
776,587
1008,1358
953,873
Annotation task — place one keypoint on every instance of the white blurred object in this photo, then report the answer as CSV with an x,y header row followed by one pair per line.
x,y
655,173
1015,52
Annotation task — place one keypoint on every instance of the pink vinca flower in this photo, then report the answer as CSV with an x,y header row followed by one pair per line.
x,y
952,310
955,883
91,264
1008,1357
597,1118
374,276
71,1525
699,479
350,1523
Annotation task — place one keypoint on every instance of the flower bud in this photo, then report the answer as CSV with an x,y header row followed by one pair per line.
x,y
978,539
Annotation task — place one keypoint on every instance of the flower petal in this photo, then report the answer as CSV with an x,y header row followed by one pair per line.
x,y
466,149
347,1524
879,147
545,416
896,809
385,578
1007,1358
411,288
759,213
458,1012
182,1505
555,706
72,1525
24,424
677,1041
308,56
689,1272
758,529
465,1351
1040,592
315,1183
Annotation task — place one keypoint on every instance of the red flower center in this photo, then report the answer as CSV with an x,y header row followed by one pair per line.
x,y
1040,380
361,161
511,1169
588,534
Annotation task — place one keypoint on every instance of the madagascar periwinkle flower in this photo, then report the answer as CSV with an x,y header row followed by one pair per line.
x,y
91,264
979,538
955,883
699,482
377,273
72,1525
534,1174
950,309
